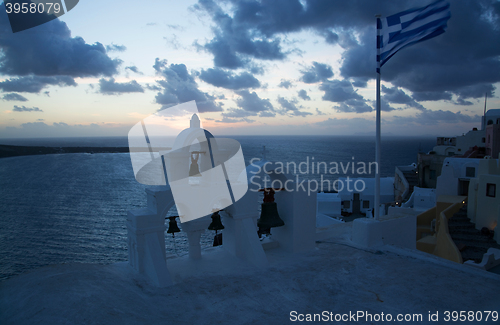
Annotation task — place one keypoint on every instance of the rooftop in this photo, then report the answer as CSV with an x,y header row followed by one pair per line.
x,y
336,277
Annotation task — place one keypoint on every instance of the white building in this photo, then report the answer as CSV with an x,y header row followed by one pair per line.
x,y
422,199
491,117
358,194
445,146
484,203
456,175
469,140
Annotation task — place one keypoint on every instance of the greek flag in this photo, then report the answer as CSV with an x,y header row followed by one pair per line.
x,y
409,27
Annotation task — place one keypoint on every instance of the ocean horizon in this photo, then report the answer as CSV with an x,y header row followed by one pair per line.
x,y
122,141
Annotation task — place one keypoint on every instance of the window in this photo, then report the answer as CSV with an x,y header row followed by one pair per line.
x,y
491,189
347,204
470,172
432,174
366,204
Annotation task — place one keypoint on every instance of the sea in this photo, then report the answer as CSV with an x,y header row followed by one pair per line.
x,y
72,208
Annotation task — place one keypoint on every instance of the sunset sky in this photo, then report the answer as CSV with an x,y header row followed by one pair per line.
x,y
253,67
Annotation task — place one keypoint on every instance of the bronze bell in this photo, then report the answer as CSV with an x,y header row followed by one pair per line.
x,y
194,169
269,217
172,226
216,223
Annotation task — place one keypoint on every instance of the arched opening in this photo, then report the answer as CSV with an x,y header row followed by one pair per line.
x,y
178,244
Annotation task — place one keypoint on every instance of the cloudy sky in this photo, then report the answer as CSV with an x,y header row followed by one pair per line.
x,y
253,67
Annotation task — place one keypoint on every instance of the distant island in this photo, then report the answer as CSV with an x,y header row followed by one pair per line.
x,y
12,151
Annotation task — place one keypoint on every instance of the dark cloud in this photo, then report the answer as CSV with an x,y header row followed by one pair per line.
x,y
223,56
267,114
26,109
290,107
359,62
461,101
35,84
318,112
360,82
432,96
466,55
252,29
316,73
463,61
429,117
354,106
133,68
179,86
347,40
14,97
34,125
251,102
49,50
110,87
303,94
159,64
339,91
330,37
221,78
385,106
234,43
226,119
397,96
285,84
116,48
238,113
153,87
256,69
474,91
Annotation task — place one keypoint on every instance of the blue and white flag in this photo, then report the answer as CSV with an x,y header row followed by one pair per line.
x,y
409,27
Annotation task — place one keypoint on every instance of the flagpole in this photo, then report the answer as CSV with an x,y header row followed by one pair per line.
x,y
431,22
377,131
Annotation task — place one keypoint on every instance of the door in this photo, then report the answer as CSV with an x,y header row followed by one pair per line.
x,y
356,204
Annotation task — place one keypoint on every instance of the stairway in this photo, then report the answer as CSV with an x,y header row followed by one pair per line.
x,y
470,241
412,179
